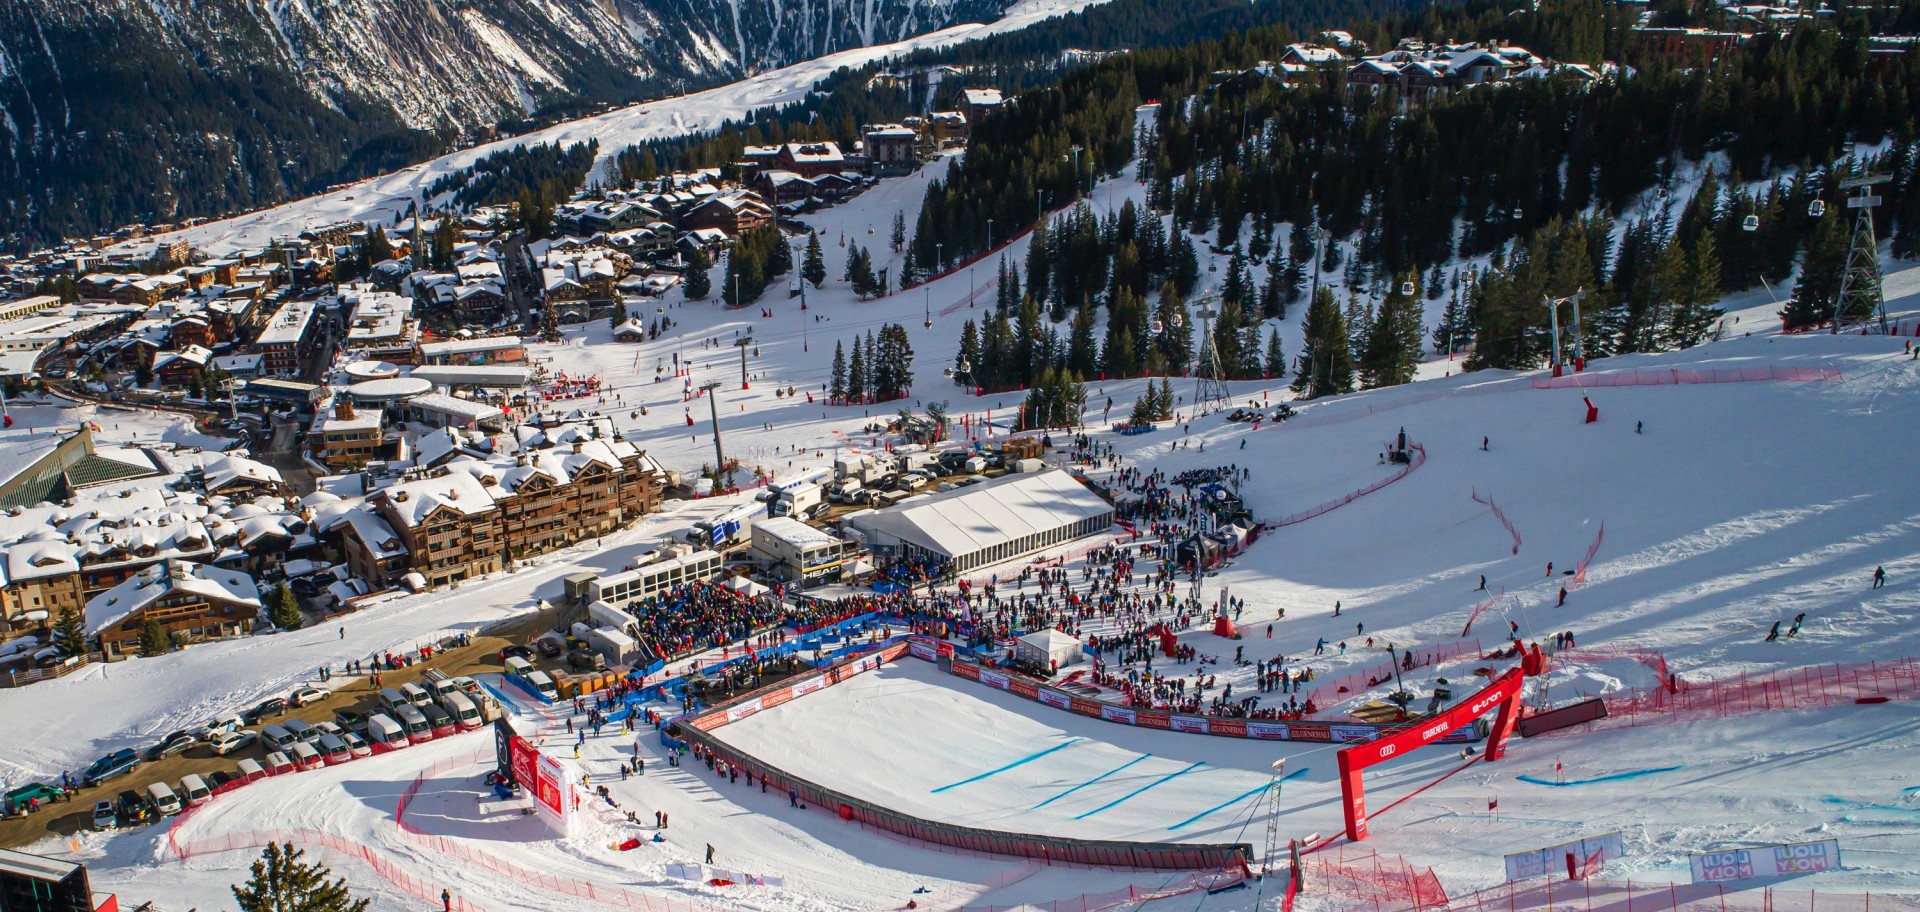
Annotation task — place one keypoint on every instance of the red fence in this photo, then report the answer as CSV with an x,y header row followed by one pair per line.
x,y
1501,516
388,871
1671,377
1384,881
1419,459
1327,693
1131,894
1602,896
1794,688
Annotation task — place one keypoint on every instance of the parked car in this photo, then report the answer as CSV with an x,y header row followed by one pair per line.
x,y
219,778
516,652
176,743
219,725
350,719
228,742
586,660
550,646
271,706
118,763
104,817
26,794
134,809
308,694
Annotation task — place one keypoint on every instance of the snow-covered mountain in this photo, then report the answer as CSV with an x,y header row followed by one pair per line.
x,y
122,110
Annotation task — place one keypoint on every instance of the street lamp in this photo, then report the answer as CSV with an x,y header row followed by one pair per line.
x,y
711,388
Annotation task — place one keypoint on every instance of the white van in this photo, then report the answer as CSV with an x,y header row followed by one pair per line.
x,y
277,737
519,666
464,713
250,769
391,699
414,723
544,685
415,694
437,683
163,799
194,789
385,734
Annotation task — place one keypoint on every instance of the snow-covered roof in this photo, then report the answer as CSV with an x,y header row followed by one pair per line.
x,y
967,520
793,532
413,501
144,588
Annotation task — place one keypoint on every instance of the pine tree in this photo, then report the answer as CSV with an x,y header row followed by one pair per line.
x,y
154,640
70,632
969,353
1696,308
285,609
814,267
1083,357
550,324
619,315
1275,363
1821,272
899,235
856,375
1238,290
445,238
283,881
1326,360
698,283
837,381
1392,349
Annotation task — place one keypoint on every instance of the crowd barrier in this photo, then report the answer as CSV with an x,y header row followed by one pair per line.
x,y
1401,397
1131,894
1038,848
1674,376
1603,896
1580,570
1795,688
1500,515
1419,459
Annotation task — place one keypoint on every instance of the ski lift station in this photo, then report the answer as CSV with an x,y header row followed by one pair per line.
x,y
988,523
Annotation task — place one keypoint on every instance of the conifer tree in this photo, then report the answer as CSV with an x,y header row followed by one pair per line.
x,y
70,632
814,267
856,375
969,353
154,640
1326,359
284,608
283,881
837,380
1392,348
1274,365
619,315
1083,357
698,283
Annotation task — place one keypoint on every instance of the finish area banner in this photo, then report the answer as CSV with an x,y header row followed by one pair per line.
x,y
1503,694
1767,861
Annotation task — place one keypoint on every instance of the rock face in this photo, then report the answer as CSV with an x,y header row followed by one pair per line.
x,y
117,110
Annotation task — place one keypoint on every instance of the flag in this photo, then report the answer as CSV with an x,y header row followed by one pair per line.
x,y
1556,766
1493,804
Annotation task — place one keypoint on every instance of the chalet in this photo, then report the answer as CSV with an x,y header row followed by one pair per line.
x,y
978,103
189,601
180,368
732,212
891,150
811,159
782,188
947,127
1685,46
632,331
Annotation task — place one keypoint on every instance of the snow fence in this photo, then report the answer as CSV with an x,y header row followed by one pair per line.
x,y
1603,896
1675,376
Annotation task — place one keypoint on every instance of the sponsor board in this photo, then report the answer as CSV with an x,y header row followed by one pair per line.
x,y
743,709
774,698
1085,707
1766,861
923,651
1232,728
993,679
1056,698
1025,688
1151,719
1117,714
1552,860
969,671
802,688
1271,731
1352,734
1309,731
553,794
1193,724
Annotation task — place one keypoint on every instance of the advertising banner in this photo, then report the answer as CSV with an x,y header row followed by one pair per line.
x,y
924,651
1767,861
1151,719
1193,724
1352,734
553,794
993,679
1024,688
802,688
523,760
1272,731
743,709
1117,714
773,698
1309,731
1502,694
1233,728
1056,698
969,671
1084,707
1552,860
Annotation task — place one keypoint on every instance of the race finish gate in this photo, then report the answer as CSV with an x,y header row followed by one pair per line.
x,y
1353,761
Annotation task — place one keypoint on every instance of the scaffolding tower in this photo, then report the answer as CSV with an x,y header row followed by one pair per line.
x,y
1208,389
1861,299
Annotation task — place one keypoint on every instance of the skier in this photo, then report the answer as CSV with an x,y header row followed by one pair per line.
x,y
1563,595
446,900
1483,444
1549,568
1336,607
1795,629
1483,583
709,853
1879,577
1638,427
1774,634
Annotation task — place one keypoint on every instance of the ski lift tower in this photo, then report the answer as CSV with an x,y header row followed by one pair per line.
x,y
1208,389
1273,818
1860,295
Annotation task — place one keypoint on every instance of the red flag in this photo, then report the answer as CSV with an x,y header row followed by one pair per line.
x,y
1493,803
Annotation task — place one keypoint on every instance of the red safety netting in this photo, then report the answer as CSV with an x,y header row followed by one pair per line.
x,y
1672,377
1501,516
1131,894
1580,571
1419,459
1794,688
317,840
1603,896
1384,881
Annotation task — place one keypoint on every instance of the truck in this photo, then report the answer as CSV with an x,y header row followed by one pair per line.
x,y
728,528
843,490
800,501
917,459
857,467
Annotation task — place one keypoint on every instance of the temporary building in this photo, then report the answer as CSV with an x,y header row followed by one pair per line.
x,y
988,523
1047,648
